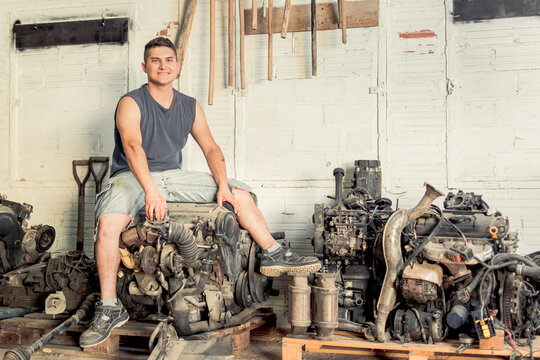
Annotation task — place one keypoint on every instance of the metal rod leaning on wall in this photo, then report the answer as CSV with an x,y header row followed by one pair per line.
x,y
26,353
185,29
270,37
231,41
242,48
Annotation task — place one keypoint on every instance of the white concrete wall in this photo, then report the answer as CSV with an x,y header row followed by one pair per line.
x,y
284,137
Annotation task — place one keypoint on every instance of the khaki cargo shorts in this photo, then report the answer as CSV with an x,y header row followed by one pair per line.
x,y
123,194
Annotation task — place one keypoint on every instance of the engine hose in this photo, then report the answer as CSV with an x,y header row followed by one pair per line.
x,y
26,353
182,237
393,256
529,271
205,271
351,326
205,326
506,256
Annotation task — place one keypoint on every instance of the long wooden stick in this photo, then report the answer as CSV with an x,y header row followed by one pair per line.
x,y
313,37
212,50
343,19
183,34
253,14
270,35
285,24
231,41
242,50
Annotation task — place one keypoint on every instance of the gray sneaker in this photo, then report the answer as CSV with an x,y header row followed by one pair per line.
x,y
283,260
105,319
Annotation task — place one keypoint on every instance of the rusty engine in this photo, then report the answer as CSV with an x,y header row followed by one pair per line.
x,y
197,265
29,274
426,273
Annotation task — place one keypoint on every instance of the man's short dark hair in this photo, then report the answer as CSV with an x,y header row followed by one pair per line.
x,y
159,41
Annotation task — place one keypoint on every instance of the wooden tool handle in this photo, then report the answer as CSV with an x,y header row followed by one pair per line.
x,y
286,13
343,20
253,14
185,29
231,41
242,50
212,50
313,37
270,33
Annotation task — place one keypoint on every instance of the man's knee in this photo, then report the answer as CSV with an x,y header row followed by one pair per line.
x,y
244,197
111,225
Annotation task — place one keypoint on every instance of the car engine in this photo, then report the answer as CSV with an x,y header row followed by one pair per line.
x,y
29,274
426,273
196,265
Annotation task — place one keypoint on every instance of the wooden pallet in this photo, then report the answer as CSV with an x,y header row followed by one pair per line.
x,y
127,342
345,343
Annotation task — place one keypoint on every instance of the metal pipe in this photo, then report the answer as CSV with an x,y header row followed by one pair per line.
x,y
338,175
26,353
393,256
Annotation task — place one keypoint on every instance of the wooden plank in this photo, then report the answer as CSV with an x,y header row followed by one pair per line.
x,y
109,346
291,351
349,345
71,33
359,14
493,343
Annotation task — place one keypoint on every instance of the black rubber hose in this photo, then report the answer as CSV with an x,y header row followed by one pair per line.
x,y
531,271
182,237
506,257
347,325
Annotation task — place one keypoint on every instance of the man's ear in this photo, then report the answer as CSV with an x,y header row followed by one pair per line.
x,y
143,66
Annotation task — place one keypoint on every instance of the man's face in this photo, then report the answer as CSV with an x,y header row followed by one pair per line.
x,y
161,65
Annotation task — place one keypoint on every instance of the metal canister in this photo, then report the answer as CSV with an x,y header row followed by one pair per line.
x,y
325,305
299,304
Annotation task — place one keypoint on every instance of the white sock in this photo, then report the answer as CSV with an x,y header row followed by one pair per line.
x,y
274,247
110,302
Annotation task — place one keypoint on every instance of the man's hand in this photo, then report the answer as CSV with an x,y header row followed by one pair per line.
x,y
224,194
155,205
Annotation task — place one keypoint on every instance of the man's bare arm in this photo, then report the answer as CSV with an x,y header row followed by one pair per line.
x,y
214,157
128,119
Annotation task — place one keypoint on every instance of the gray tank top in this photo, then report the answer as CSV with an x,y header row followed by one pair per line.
x,y
164,131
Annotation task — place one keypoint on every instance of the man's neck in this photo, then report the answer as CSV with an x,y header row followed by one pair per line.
x,y
163,94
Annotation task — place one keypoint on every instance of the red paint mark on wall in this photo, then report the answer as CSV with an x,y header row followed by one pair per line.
x,y
164,32
417,34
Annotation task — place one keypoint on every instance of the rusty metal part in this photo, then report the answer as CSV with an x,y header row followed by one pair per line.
x,y
325,305
393,255
149,260
299,303
425,271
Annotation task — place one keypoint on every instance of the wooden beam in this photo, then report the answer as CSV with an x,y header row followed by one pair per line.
x,y
359,14
98,31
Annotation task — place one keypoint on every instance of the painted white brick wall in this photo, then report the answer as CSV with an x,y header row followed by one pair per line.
x,y
284,137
